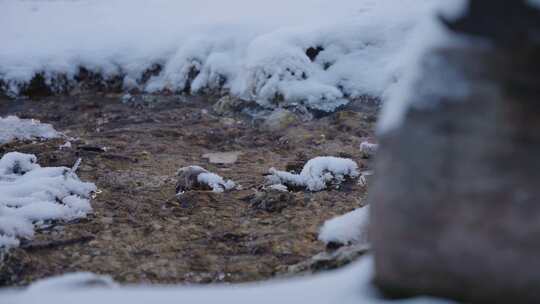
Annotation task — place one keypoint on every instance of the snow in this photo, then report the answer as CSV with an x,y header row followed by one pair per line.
x,y
31,195
12,128
429,34
350,228
205,177
216,182
317,173
279,187
255,50
351,284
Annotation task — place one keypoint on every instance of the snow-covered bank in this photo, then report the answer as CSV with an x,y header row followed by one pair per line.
x,y
31,195
349,285
314,52
12,128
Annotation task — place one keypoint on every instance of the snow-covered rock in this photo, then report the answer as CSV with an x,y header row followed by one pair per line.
x,y
31,195
14,128
350,228
317,173
198,178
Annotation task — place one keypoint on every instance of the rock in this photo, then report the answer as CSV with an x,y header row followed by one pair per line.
x,y
224,158
455,201
279,119
228,104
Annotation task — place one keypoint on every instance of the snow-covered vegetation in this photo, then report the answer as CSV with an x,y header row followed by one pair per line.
x,y
315,52
317,173
12,127
350,228
31,196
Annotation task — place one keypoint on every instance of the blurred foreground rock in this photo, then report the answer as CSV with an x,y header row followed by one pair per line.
x,y
456,202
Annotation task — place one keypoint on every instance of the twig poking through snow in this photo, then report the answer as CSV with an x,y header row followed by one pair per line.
x,y
76,165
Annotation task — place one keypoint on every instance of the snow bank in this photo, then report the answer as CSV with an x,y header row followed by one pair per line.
x,y
350,228
12,128
318,53
31,196
345,286
317,173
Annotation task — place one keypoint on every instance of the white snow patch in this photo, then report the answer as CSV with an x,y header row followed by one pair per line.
x,y
350,285
427,35
14,128
317,173
30,195
256,50
212,180
65,146
350,228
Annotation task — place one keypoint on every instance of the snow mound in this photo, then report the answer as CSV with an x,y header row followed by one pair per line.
x,y
350,228
31,195
14,128
188,176
318,53
317,173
